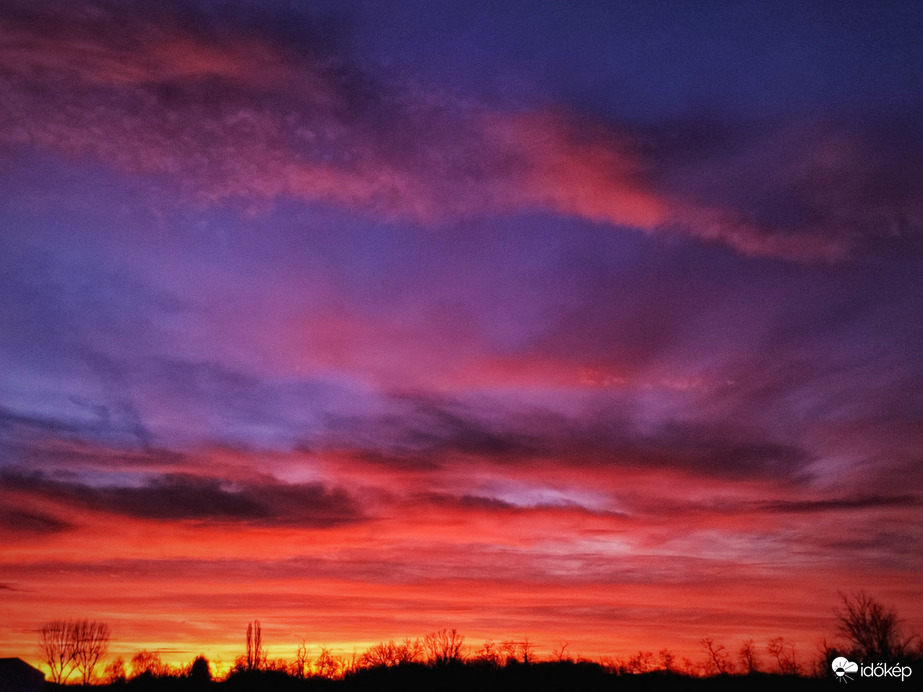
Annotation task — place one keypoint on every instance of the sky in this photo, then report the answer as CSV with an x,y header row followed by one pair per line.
x,y
593,323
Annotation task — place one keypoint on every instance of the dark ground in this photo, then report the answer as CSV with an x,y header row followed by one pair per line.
x,y
577,677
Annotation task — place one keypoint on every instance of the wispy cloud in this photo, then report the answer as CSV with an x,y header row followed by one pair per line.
x,y
225,118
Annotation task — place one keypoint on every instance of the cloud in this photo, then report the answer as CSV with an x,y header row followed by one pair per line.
x,y
818,186
229,116
178,497
431,433
536,501
24,521
418,427
100,43
845,504
80,436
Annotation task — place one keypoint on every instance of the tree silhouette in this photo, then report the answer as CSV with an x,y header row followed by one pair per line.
x,y
389,654
58,649
114,671
488,653
327,665
513,651
719,660
256,656
559,655
148,664
642,662
667,660
784,655
92,640
301,662
747,656
200,671
444,647
73,645
872,629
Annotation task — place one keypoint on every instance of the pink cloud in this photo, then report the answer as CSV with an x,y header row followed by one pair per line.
x,y
724,562
280,126
97,45
573,168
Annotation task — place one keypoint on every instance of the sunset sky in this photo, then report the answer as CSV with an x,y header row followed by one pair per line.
x,y
594,322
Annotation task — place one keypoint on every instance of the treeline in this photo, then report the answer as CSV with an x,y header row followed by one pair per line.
x,y
465,675
868,631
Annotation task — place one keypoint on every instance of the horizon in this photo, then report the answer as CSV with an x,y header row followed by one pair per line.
x,y
861,635
595,324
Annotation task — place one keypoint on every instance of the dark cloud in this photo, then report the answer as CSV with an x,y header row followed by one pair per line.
x,y
857,180
841,507
844,504
11,422
426,433
28,521
67,441
421,428
175,497
719,452
490,504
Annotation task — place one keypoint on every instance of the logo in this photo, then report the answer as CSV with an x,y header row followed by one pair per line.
x,y
842,667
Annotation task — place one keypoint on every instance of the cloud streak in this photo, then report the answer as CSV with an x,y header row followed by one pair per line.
x,y
205,110
178,497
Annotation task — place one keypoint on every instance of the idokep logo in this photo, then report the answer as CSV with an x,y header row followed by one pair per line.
x,y
842,667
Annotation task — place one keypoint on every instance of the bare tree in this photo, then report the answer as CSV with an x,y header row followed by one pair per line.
x,y
389,654
381,654
559,655
719,661
642,662
747,656
784,655
527,649
327,665
410,650
256,656
512,651
667,660
92,643
148,663
488,653
301,661
59,649
872,629
114,671
444,647
508,651
73,645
